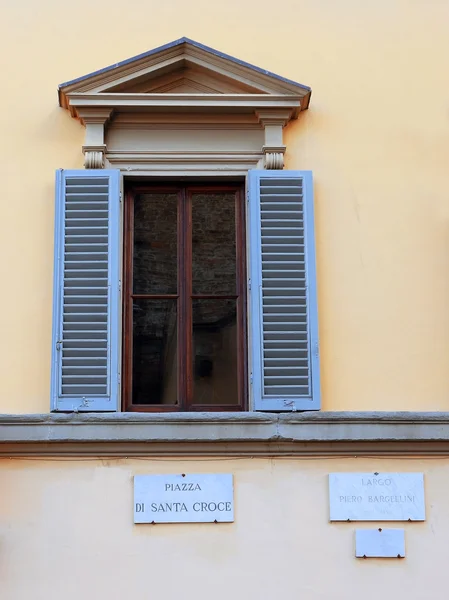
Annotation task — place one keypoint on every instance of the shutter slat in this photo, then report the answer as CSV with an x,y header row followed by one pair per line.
x,y
287,391
73,299
275,311
285,353
85,361
274,270
84,334
83,353
86,306
283,363
81,389
283,315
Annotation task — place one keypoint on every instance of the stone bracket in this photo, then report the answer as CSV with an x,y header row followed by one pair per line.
x,y
273,122
94,156
274,157
94,148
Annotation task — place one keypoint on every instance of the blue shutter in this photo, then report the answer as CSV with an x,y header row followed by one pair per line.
x,y
283,318
86,300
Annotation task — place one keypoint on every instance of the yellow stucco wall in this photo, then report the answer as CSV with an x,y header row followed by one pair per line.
x,y
66,531
376,137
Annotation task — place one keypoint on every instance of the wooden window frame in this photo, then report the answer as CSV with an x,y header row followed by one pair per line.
x,y
184,297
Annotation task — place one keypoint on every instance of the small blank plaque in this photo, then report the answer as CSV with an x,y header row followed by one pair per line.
x,y
383,543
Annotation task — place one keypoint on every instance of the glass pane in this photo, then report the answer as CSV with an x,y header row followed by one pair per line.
x,y
155,351
213,244
215,352
155,244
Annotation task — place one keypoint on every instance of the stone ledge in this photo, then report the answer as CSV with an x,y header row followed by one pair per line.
x,y
213,434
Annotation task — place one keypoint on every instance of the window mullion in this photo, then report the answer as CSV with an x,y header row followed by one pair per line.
x,y
128,301
188,288
241,295
185,387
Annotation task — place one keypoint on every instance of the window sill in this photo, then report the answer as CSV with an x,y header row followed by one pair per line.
x,y
230,434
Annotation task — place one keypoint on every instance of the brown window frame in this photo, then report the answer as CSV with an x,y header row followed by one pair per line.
x,y
184,297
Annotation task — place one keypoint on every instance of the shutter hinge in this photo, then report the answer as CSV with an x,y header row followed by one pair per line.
x,y
119,285
247,195
251,379
58,345
249,284
316,349
120,195
290,404
118,378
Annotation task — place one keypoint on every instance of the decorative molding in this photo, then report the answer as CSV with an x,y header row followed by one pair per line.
x,y
184,162
183,86
273,160
275,118
94,148
226,434
273,122
94,115
177,57
203,120
184,102
94,156
179,84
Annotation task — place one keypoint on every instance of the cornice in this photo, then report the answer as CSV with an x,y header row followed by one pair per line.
x,y
177,52
150,84
184,102
230,434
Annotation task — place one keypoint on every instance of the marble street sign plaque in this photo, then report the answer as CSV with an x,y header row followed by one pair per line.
x,y
380,543
376,497
183,498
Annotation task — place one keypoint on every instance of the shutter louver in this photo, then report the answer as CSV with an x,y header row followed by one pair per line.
x,y
86,305
283,292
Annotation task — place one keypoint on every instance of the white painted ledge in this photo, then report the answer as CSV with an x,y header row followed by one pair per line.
x,y
235,434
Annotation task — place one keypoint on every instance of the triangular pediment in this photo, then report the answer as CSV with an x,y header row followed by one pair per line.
x,y
183,69
184,77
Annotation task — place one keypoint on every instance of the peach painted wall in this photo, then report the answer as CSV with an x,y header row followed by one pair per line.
x,y
376,137
66,531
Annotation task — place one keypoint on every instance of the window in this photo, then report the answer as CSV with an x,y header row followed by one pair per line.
x,y
181,336
184,299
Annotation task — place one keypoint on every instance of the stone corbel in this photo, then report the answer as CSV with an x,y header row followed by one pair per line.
x,y
94,148
273,122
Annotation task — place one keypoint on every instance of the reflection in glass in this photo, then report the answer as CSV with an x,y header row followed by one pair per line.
x,y
214,352
213,244
155,244
155,351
